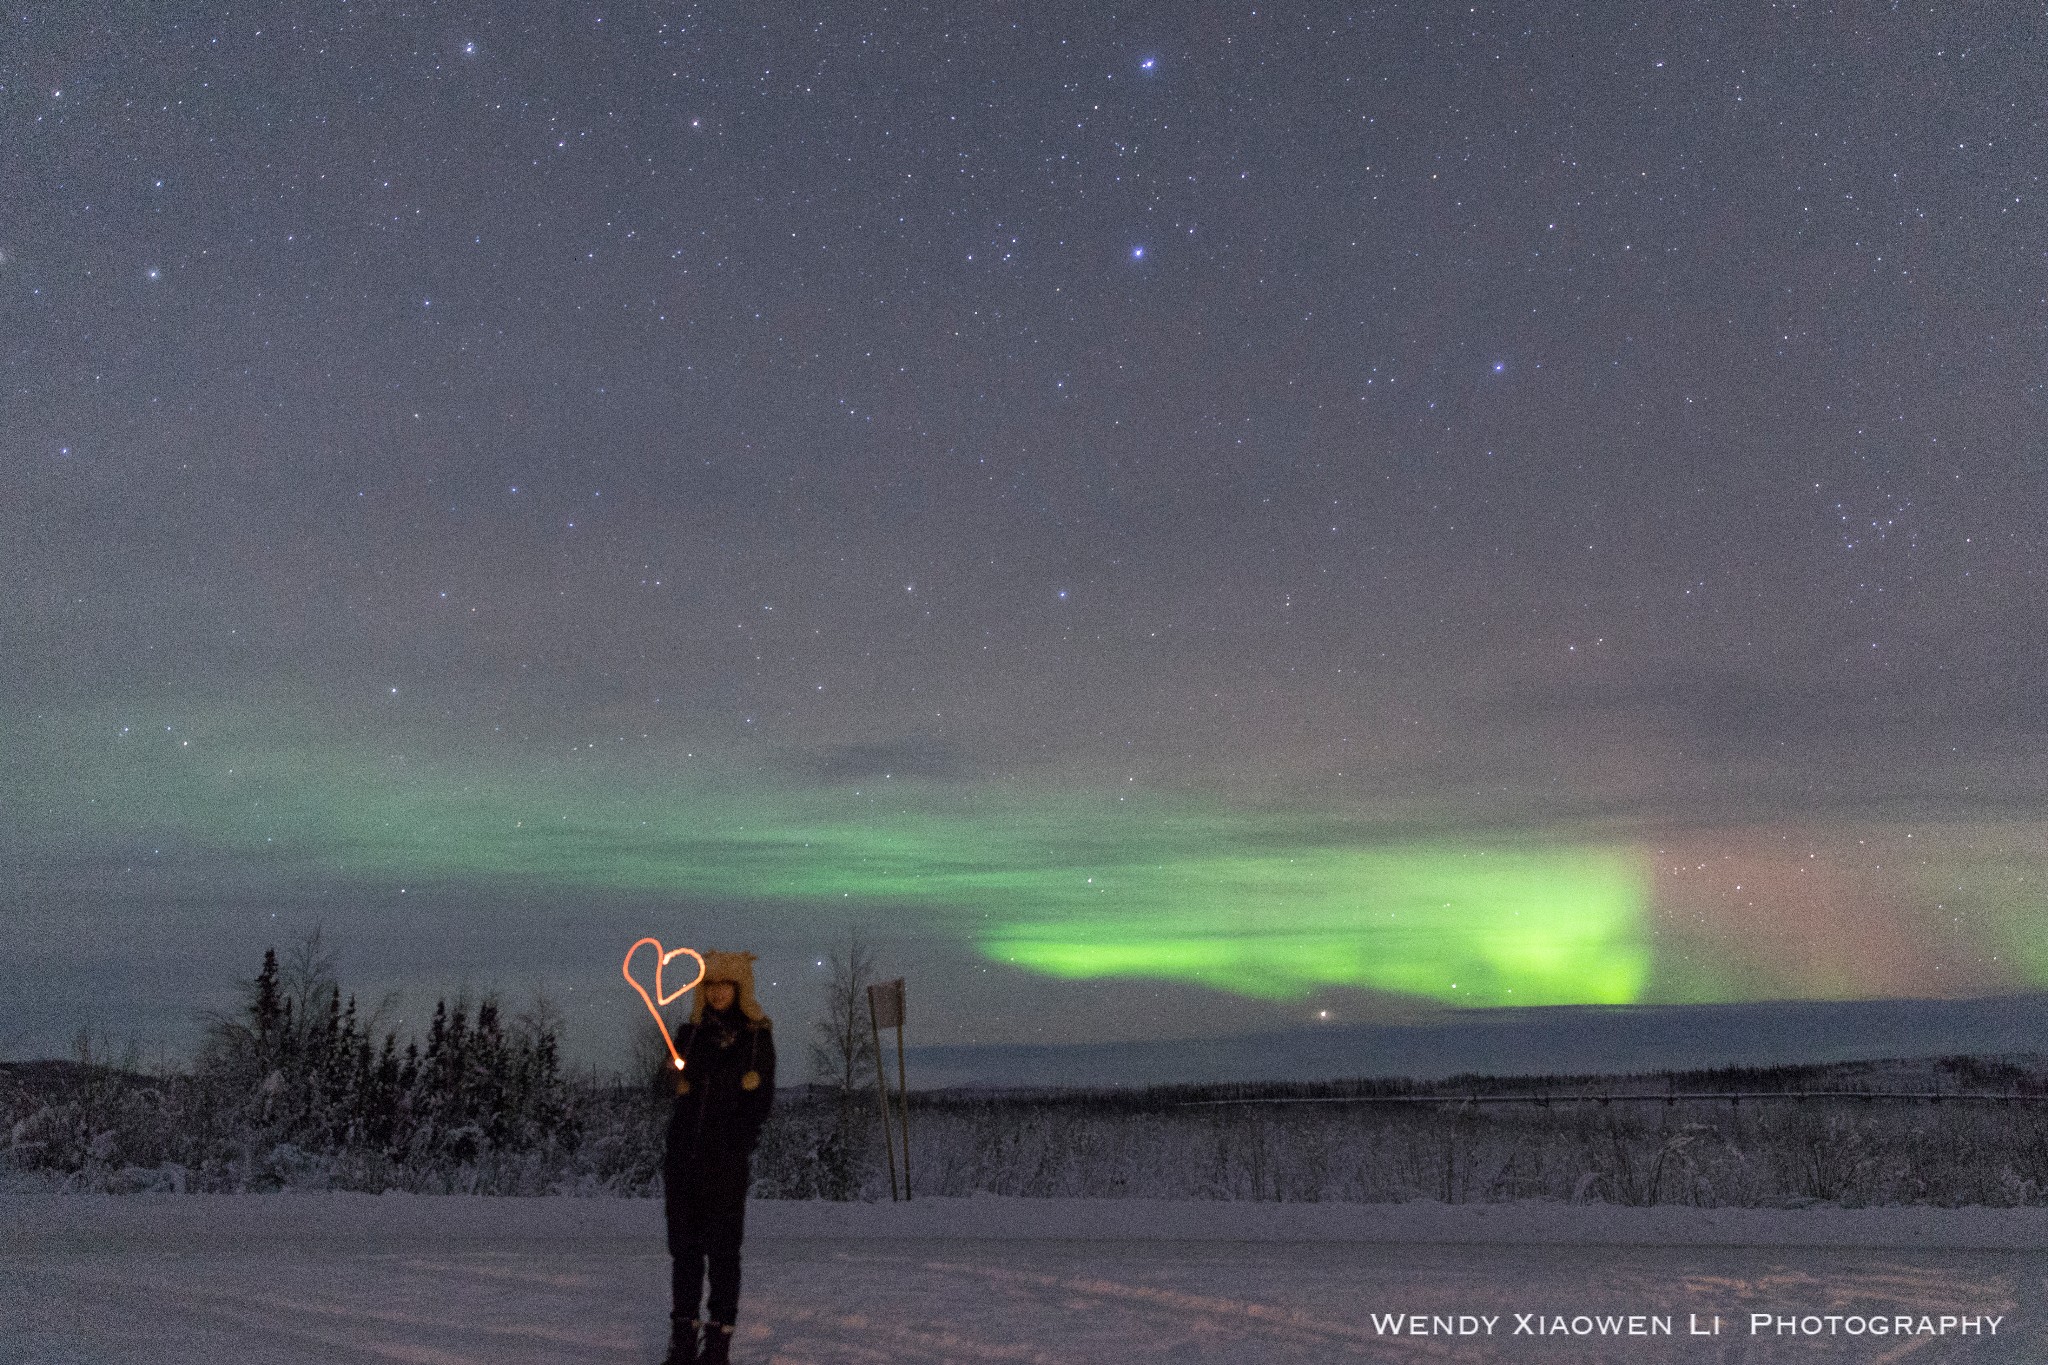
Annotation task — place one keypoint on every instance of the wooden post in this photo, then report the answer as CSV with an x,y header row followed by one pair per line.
x,y
882,1093
902,1093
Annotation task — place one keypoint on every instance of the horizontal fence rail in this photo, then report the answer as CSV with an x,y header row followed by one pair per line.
x,y
1674,1097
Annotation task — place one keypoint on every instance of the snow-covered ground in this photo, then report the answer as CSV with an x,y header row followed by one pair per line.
x,y
449,1281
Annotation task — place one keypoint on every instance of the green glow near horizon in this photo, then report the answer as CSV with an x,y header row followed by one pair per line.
x,y
1070,884
1074,883
2004,889
1455,923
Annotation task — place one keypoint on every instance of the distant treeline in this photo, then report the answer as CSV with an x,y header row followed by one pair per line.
x,y
2024,1076
301,1089
300,1086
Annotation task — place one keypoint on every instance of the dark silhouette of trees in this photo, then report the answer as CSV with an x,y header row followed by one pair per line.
x,y
842,1057
301,1067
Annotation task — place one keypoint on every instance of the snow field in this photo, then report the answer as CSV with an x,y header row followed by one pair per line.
x,y
450,1280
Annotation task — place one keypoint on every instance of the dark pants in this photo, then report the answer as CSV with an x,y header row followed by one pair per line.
x,y
707,1217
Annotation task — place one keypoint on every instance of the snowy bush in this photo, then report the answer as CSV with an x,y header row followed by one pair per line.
x,y
80,1128
1774,1153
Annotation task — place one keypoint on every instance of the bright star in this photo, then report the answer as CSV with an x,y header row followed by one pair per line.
x,y
1148,64
1137,253
1500,366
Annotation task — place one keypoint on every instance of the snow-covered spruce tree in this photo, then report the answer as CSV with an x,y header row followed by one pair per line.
x,y
297,1086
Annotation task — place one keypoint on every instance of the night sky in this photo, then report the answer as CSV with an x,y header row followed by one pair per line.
x,y
1177,521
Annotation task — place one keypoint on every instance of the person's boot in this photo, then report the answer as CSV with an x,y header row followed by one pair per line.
x,y
682,1342
717,1344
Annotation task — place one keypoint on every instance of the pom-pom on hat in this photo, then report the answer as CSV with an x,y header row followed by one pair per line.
x,y
737,968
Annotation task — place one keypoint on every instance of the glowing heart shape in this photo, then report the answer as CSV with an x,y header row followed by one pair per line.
x,y
662,997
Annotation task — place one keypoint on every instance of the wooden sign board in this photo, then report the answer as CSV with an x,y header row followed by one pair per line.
x,y
885,998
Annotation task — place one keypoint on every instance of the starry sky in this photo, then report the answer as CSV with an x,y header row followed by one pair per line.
x,y
1175,520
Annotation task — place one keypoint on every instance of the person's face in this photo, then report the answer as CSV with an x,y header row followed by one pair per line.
x,y
719,995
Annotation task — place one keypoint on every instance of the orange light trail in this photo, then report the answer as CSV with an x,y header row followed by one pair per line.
x,y
661,997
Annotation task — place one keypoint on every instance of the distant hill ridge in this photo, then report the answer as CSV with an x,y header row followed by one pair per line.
x,y
1576,1041
2019,1074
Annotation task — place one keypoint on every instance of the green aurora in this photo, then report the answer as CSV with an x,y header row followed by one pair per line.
x,y
1076,884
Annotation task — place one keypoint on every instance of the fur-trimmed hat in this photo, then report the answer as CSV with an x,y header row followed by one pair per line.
x,y
737,968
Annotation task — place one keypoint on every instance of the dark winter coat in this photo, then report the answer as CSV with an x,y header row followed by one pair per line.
x,y
722,1098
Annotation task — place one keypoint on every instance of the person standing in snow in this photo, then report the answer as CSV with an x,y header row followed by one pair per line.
x,y
722,1096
